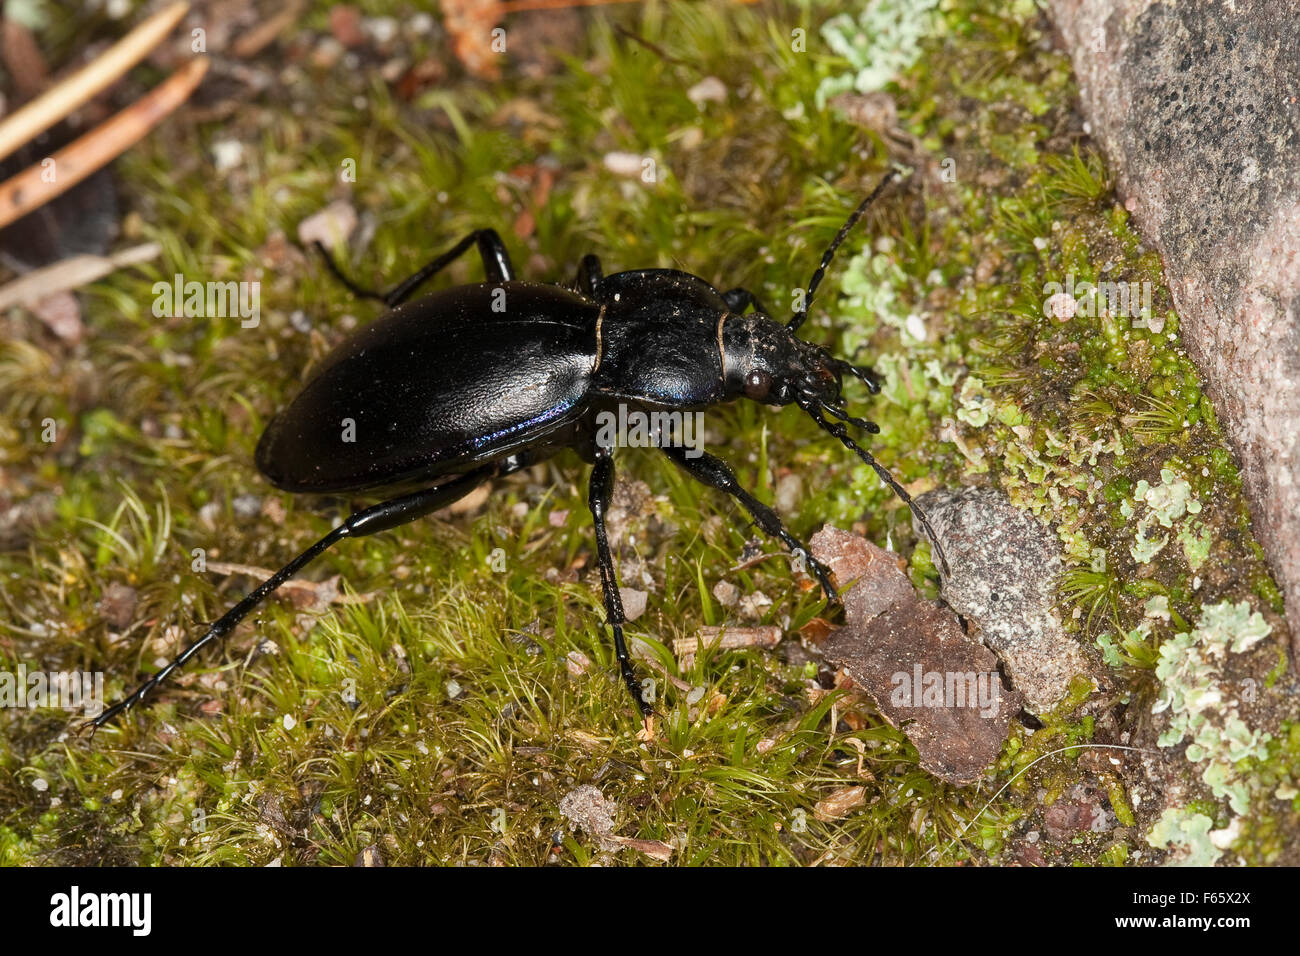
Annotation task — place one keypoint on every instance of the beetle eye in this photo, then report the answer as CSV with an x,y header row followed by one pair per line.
x,y
757,385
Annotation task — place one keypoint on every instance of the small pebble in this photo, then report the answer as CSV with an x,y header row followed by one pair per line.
x,y
708,90
726,593
1062,306
624,164
227,154
247,506
634,602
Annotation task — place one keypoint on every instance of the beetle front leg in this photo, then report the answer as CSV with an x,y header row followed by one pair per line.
x,y
600,491
715,472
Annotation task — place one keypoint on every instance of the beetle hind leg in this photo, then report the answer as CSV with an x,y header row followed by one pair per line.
x,y
376,518
600,492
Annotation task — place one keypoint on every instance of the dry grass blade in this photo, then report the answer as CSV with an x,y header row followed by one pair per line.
x,y
60,100
31,188
72,273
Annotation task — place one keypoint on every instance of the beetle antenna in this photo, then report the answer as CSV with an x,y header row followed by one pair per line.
x,y
839,431
843,415
802,314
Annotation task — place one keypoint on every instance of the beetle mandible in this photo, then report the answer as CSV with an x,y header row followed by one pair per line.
x,y
446,392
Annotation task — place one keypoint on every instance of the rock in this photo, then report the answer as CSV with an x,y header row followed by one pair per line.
x,y
588,810
726,593
1195,106
634,602
345,24
331,226
912,658
1004,568
708,90
627,165
61,313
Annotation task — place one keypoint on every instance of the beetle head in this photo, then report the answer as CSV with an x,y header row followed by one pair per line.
x,y
766,362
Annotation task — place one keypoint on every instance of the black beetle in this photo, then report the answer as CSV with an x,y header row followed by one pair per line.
x,y
481,380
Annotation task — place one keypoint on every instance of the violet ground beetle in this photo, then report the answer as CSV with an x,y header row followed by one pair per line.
x,y
480,380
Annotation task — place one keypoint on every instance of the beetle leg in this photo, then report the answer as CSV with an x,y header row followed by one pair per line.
x,y
379,517
341,276
600,491
738,298
843,414
715,472
496,266
589,275
862,373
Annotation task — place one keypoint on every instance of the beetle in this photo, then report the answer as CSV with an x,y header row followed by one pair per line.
x,y
448,391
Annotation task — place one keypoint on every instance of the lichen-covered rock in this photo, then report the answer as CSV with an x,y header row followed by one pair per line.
x,y
1195,105
1004,568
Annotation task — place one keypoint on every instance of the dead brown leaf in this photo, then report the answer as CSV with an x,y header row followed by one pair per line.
x,y
911,657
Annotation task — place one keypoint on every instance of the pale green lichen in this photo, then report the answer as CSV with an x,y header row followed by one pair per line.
x,y
976,406
1166,502
1195,693
871,283
1158,607
1144,548
1188,834
883,40
1109,652
1196,539
1169,500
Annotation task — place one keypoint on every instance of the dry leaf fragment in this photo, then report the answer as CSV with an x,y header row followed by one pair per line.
x,y
911,657
588,810
839,803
